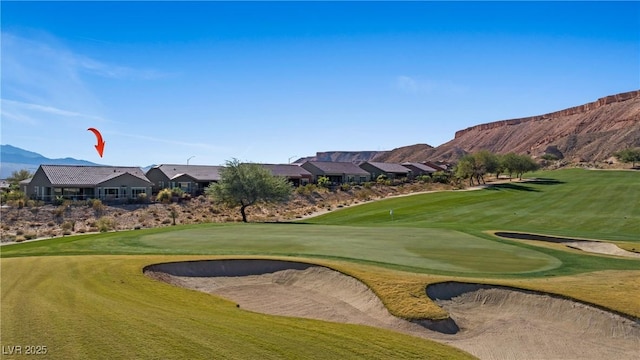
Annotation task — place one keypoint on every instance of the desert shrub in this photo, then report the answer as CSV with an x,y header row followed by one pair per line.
x,y
30,236
364,195
381,179
177,192
166,221
66,232
324,182
142,198
105,224
34,204
368,185
7,237
98,207
441,177
345,187
16,195
174,213
59,211
306,190
69,225
424,178
19,232
164,196
18,203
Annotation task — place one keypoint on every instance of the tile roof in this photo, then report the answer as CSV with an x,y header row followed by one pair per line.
x,y
330,167
288,170
198,172
82,175
422,167
390,168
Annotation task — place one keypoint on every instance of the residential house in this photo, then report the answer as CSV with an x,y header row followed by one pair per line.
x,y
439,165
337,172
297,175
391,171
80,182
192,179
419,169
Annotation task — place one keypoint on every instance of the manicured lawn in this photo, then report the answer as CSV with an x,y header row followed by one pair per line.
x,y
440,250
581,203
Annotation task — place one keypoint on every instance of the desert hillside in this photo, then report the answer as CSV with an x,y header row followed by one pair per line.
x,y
342,156
589,132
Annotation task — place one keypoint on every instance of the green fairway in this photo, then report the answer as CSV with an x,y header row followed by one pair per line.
x,y
573,203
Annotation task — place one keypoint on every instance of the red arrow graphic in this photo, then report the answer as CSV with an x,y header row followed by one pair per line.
x,y
100,146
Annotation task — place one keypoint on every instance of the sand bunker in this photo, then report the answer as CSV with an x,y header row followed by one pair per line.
x,y
488,321
599,247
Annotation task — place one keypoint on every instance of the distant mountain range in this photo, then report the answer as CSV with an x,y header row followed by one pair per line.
x,y
13,159
584,133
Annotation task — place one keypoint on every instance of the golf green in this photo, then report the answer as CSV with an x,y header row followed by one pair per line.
x,y
414,248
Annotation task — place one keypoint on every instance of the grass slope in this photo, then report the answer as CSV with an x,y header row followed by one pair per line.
x,y
104,307
574,203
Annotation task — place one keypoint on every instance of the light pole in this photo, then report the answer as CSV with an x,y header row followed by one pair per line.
x,y
291,157
190,159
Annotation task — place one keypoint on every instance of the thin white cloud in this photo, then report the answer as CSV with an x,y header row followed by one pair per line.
x,y
48,50
405,83
202,146
45,109
414,85
35,113
114,71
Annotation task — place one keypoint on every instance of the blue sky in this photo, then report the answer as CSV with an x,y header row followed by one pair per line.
x,y
271,82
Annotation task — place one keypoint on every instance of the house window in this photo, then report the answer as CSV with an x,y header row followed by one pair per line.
x,y
161,184
363,179
112,192
136,191
186,186
35,190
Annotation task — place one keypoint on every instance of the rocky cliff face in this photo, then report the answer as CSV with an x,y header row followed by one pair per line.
x,y
342,156
589,132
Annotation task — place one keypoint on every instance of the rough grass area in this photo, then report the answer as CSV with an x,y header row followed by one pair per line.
x,y
104,307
